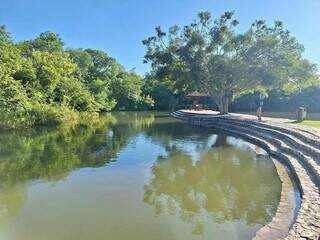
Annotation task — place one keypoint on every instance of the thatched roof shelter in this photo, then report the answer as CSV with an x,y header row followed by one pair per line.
x,y
196,94
200,100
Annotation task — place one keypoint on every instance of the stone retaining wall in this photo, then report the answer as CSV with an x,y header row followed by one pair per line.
x,y
297,148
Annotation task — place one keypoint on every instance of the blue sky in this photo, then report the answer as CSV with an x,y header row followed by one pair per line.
x,y
119,26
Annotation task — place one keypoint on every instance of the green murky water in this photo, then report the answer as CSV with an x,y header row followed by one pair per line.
x,y
136,176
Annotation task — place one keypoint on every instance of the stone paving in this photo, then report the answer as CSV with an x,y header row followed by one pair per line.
x,y
297,147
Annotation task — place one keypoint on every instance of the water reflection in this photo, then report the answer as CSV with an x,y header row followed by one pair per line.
x,y
195,177
224,185
51,154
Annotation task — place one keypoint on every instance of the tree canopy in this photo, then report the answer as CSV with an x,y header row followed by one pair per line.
x,y
41,82
210,55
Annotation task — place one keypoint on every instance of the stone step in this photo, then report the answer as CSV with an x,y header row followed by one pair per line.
x,y
312,140
180,116
308,162
285,137
309,153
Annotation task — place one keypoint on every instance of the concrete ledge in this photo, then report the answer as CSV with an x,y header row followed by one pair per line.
x,y
285,215
297,148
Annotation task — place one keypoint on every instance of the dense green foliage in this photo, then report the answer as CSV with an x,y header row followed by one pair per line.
x,y
278,101
42,83
211,56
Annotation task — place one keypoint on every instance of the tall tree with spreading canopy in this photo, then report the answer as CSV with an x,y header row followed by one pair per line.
x,y
211,56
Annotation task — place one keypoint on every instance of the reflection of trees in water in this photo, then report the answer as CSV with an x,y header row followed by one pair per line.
x,y
164,131
51,154
11,201
226,184
212,186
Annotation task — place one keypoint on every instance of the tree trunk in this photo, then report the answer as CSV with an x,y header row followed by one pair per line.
x,y
259,111
221,140
225,108
222,102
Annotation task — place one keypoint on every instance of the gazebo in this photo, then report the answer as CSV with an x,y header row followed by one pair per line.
x,y
200,100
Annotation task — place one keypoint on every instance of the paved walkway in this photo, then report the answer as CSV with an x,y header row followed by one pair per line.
x,y
313,132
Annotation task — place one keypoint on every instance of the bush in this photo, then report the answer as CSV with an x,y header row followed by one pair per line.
x,y
14,103
42,114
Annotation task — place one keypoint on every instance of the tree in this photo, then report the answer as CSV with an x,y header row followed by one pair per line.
x,y
37,84
96,70
41,83
127,90
83,60
4,35
14,102
111,85
211,56
163,92
46,41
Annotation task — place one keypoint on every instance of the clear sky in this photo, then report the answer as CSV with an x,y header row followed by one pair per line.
x,y
119,26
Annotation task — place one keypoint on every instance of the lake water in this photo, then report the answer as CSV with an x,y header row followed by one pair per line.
x,y
137,176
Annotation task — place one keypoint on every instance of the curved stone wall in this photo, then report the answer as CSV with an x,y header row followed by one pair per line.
x,y
297,148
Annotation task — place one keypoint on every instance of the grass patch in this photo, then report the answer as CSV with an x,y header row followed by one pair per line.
x,y
289,115
310,123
